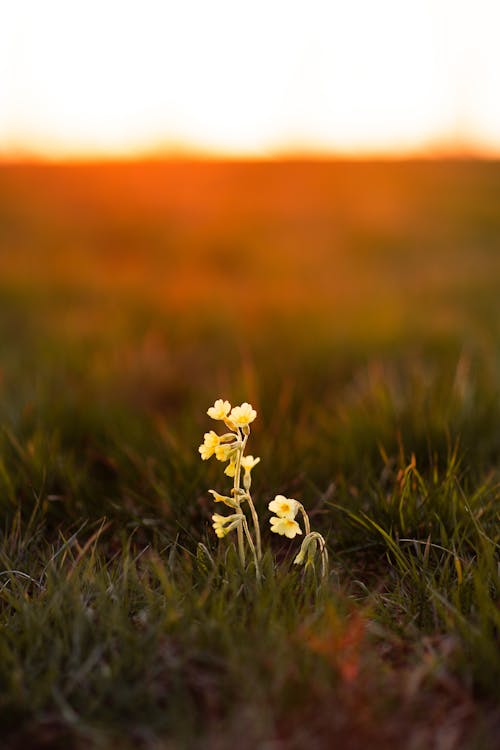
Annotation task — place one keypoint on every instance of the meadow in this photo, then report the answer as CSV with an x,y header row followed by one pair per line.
x,y
356,305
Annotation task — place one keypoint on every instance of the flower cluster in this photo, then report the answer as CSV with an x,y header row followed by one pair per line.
x,y
284,523
230,449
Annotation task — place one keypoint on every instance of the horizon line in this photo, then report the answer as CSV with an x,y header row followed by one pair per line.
x,y
193,154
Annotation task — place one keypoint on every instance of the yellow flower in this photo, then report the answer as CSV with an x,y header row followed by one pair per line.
x,y
210,443
219,410
224,524
242,415
230,469
223,452
285,526
231,502
248,462
284,507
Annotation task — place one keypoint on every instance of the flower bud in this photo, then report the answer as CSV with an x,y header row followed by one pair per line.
x,y
308,547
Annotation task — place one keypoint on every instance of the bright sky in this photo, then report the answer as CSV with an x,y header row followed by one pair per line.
x,y
252,78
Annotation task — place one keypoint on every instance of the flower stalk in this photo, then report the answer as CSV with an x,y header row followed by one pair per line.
x,y
230,448
236,487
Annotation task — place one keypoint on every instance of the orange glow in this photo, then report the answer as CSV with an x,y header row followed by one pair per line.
x,y
126,77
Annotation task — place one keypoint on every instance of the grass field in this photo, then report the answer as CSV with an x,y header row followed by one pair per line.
x,y
357,307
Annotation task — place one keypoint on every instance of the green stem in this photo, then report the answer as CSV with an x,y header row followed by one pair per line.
x,y
237,472
307,525
255,519
324,556
241,545
252,547
323,552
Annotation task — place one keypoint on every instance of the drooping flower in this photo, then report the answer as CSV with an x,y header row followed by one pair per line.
x,y
224,524
284,507
218,498
219,410
285,527
242,415
210,443
230,469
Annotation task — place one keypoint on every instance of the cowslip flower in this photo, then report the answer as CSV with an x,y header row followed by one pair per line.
x,y
210,443
224,451
285,527
229,448
219,410
242,415
284,507
222,525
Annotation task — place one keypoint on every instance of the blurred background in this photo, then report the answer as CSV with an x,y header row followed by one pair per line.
x,y
251,201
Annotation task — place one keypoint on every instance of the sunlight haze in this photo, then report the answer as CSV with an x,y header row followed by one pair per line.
x,y
251,79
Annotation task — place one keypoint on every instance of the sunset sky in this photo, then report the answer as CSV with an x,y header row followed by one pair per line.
x,y
122,77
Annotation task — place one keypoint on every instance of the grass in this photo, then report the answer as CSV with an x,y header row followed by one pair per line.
x,y
132,296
